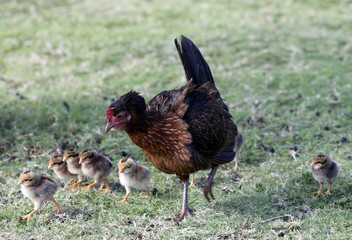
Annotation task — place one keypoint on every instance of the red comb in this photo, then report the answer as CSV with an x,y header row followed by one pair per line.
x,y
110,114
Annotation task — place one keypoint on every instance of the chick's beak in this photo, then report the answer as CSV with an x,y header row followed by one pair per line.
x,y
49,166
20,182
312,164
81,160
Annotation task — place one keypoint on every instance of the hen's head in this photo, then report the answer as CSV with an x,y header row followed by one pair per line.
x,y
127,108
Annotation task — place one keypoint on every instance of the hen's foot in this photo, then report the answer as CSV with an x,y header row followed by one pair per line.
x,y
208,190
185,212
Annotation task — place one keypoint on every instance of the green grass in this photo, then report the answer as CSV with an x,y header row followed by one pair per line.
x,y
284,68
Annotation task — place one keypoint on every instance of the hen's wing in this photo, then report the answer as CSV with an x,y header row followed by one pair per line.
x,y
210,126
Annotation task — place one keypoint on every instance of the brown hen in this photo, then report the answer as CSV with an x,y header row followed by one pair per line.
x,y
180,131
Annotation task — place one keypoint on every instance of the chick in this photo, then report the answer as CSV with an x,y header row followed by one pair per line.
x,y
39,189
71,157
134,175
324,171
60,168
239,140
96,166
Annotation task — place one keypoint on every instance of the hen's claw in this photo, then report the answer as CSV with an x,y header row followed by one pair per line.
x,y
208,190
184,213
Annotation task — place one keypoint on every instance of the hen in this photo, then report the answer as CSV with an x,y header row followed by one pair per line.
x,y
180,131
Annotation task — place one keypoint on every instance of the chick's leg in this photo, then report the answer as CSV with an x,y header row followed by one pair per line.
x,y
148,194
89,187
128,191
58,208
328,191
28,216
238,149
320,192
185,211
74,185
107,187
208,184
236,164
192,185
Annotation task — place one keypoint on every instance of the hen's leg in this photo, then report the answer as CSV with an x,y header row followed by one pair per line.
x,y
185,211
209,183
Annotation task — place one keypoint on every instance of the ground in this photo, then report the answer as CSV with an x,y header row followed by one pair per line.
x,y
284,68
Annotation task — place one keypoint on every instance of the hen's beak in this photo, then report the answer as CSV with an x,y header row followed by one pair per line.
x,y
109,125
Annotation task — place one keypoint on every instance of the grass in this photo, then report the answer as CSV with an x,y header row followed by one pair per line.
x,y
284,68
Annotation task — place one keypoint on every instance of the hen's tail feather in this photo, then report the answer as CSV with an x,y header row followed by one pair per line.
x,y
226,155
195,66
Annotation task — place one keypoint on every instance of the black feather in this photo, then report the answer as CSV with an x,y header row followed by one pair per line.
x,y
196,68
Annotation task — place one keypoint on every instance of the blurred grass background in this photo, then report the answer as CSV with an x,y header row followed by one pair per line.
x,y
284,68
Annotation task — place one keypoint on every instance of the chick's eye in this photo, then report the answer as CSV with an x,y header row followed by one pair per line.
x,y
128,166
27,180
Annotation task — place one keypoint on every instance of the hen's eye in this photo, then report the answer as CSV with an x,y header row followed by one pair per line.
x,y
119,116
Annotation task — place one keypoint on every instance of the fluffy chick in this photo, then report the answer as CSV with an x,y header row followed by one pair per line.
x,y
60,168
324,171
39,189
71,157
133,175
239,140
96,166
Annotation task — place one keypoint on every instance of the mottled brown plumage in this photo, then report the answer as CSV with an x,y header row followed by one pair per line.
x,y
184,130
